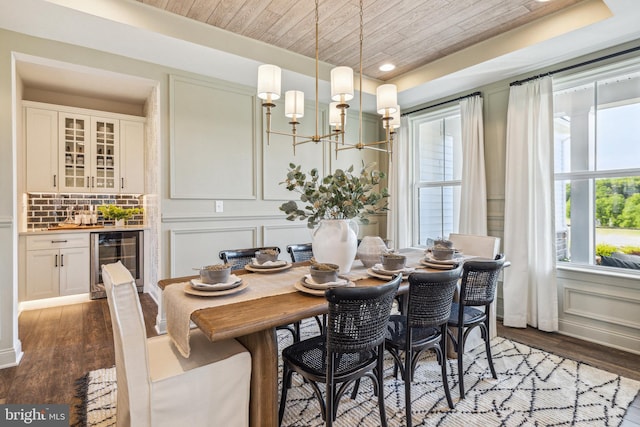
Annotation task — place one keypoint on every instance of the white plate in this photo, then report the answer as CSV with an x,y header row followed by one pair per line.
x,y
189,290
371,272
274,264
380,270
437,266
230,284
317,292
456,259
309,283
250,267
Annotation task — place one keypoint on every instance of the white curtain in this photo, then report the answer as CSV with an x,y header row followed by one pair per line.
x,y
530,289
473,197
399,217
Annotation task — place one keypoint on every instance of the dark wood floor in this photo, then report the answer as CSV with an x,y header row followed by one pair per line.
x,y
61,344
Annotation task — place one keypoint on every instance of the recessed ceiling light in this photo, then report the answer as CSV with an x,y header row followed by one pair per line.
x,y
387,67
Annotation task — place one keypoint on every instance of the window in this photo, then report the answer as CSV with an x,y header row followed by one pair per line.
x,y
597,167
438,173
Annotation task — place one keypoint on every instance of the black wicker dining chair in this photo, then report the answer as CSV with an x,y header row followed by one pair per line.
x,y
300,252
352,348
423,327
477,289
303,252
241,257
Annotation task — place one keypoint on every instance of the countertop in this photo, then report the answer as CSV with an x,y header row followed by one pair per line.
x,y
80,229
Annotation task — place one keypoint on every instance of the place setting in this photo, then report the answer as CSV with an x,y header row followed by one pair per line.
x,y
321,276
442,256
266,261
392,263
215,280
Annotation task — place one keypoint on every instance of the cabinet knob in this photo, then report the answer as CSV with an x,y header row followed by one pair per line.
x,y
55,184
122,183
59,241
62,260
56,261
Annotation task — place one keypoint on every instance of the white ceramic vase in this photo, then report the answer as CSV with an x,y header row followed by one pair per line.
x,y
119,222
335,241
370,250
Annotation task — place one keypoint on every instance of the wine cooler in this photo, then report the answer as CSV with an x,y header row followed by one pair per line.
x,y
113,246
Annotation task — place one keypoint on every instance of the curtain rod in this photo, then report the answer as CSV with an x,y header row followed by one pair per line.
x,y
571,67
460,98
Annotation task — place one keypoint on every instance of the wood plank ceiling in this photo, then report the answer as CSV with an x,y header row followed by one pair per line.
x,y
407,33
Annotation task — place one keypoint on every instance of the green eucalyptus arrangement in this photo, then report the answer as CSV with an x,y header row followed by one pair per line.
x,y
341,195
116,212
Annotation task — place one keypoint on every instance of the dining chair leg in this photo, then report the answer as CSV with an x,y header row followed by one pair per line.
x,y
286,383
460,350
442,353
407,379
380,381
487,345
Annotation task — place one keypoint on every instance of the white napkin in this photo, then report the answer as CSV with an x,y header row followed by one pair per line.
x,y
276,263
339,282
405,270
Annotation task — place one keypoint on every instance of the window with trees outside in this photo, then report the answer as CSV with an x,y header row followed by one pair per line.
x,y
597,167
437,174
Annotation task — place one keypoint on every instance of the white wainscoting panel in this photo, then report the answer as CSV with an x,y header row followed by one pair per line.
x,y
282,235
196,247
278,153
607,305
212,140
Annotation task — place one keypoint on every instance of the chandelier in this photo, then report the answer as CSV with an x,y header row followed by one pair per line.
x,y
269,84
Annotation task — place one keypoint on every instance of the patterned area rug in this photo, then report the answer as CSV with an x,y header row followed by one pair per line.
x,y
534,388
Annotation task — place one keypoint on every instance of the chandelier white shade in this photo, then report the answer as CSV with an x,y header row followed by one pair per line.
x,y
386,99
342,84
334,115
294,104
394,123
269,82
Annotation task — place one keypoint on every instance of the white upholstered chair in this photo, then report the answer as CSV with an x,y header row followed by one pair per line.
x,y
471,244
159,387
484,247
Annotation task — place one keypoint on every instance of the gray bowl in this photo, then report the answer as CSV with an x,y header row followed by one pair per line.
x,y
392,262
324,276
441,253
212,274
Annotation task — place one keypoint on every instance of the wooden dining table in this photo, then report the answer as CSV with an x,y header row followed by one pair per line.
x,y
253,323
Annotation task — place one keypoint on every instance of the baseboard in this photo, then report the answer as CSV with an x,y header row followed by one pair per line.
x,y
608,338
52,302
11,357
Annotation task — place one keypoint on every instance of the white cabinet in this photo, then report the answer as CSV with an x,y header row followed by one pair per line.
x,y
57,265
132,168
79,151
41,150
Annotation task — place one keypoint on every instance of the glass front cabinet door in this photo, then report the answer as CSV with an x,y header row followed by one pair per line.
x,y
89,153
105,138
74,152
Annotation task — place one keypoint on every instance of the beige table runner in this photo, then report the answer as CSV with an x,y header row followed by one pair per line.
x,y
179,305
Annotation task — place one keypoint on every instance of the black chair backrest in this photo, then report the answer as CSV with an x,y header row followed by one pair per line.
x,y
480,280
358,316
241,257
301,252
430,297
